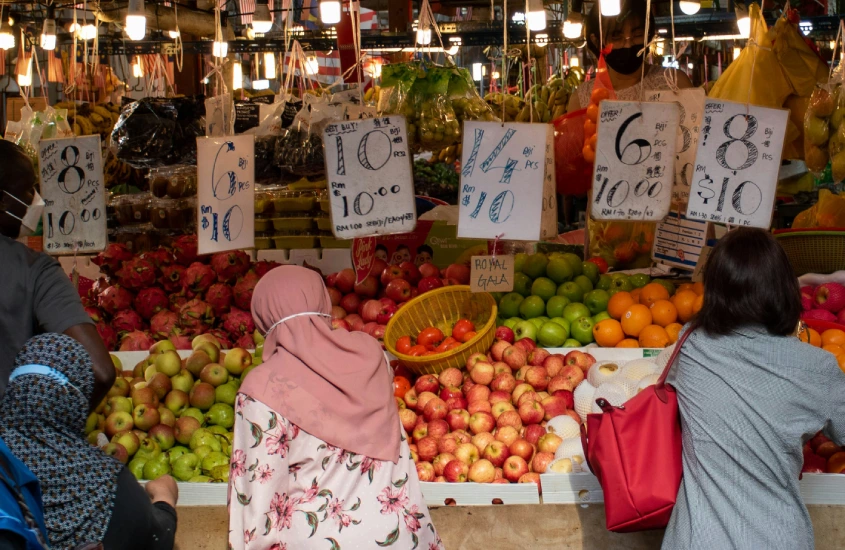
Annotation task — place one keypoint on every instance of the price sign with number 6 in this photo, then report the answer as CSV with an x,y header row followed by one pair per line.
x,y
635,160
737,164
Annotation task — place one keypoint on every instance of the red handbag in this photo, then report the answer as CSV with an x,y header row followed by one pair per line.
x,y
635,452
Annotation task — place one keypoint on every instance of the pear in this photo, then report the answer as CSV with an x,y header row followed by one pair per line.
x,y
221,473
212,460
186,467
149,449
226,393
156,467
203,437
203,451
136,466
221,414
194,413
200,479
177,452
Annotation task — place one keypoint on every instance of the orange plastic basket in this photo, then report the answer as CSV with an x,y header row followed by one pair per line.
x,y
442,308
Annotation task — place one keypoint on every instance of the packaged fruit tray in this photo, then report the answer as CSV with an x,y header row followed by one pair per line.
x,y
173,182
813,250
443,306
277,199
295,242
284,224
324,223
179,214
333,242
131,209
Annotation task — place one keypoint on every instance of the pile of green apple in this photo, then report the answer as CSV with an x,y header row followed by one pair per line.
x,y
557,298
174,416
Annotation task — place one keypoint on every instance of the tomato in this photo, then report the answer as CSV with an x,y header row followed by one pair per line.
x,y
444,343
599,261
403,344
468,336
430,336
453,345
430,353
462,327
417,350
401,385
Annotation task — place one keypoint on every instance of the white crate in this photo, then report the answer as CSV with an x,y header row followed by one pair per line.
x,y
479,494
571,489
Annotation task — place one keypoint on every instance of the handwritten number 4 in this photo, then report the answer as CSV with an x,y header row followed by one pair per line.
x,y
487,164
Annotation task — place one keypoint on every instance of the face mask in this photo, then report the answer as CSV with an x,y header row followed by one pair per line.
x,y
29,222
280,321
624,60
43,370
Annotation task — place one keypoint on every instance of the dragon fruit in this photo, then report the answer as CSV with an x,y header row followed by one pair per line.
x,y
164,322
185,249
230,266
830,296
198,277
819,314
114,299
238,322
243,290
177,301
94,313
108,334
219,297
171,278
127,321
112,257
261,268
136,341
136,274
181,341
195,316
222,338
159,257
150,301
246,342
96,289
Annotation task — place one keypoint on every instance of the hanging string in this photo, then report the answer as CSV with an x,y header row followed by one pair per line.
x,y
178,40
840,37
355,13
25,90
530,63
669,74
646,44
504,61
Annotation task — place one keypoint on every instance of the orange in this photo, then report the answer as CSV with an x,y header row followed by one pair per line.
x,y
619,304
684,301
593,113
841,360
628,343
599,94
698,288
652,292
588,153
698,304
812,337
663,312
636,318
685,286
654,336
834,349
608,333
635,294
833,336
589,129
673,330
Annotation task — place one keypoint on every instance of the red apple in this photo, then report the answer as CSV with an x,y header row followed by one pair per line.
x,y
549,443
411,399
435,409
482,440
515,357
355,321
554,364
427,383
519,390
425,471
481,422
541,462
399,290
478,393
482,471
817,440
527,345
458,419
456,471
561,383
428,269
475,358
814,464
574,374
456,403
410,272
499,397
377,267
509,418
500,367
466,453
479,406
420,431
501,407
340,324
504,334
537,357
370,311
532,477
531,412
538,377
482,373
574,416
447,444
350,303
390,273
498,349
507,435
528,397
553,406
409,419
580,359
429,283
458,272
368,287
451,377
533,433
448,392
427,448
504,382
568,396
497,453
514,468
522,448
437,428
462,436
825,450
385,313
345,280
440,461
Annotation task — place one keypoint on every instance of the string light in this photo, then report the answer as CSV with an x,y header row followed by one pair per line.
x,y
87,32
737,51
476,71
574,62
137,68
237,76
269,65
330,12
261,21
536,17
455,42
260,84
690,7
136,20
174,34
542,39
48,31
220,48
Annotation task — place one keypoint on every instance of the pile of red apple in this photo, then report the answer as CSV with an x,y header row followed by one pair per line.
x,y
487,423
368,306
821,455
825,302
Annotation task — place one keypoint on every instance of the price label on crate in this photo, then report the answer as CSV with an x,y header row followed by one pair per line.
x,y
635,160
74,195
736,167
491,273
503,178
691,105
225,193
371,185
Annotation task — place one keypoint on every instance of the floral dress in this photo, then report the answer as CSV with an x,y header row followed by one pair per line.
x,y
289,490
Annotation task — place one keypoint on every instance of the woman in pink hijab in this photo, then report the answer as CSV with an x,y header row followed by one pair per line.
x,y
319,459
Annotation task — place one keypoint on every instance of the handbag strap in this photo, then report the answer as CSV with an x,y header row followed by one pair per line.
x,y
660,386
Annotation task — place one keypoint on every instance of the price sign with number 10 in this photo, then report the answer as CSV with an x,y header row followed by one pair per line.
x,y
737,164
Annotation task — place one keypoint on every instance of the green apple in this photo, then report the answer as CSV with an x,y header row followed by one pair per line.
x,y
552,335
544,288
116,362
183,381
497,296
583,282
168,362
533,306
525,329
621,283
538,322
91,422
668,285
572,343
522,284
136,466
601,316
519,260
559,270
604,282
574,263
591,271
574,311
596,301
639,280
571,291
535,265
562,322
582,330
510,323
509,304
555,305
154,468
162,346
186,467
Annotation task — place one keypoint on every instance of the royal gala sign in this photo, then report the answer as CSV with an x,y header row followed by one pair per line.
x,y
507,181
225,193
635,160
371,185
737,164
74,194
491,273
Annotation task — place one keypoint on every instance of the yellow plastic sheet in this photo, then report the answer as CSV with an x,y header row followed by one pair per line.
x,y
828,212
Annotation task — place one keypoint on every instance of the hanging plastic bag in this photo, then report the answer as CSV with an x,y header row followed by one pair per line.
x,y
817,129
219,116
572,172
829,211
602,89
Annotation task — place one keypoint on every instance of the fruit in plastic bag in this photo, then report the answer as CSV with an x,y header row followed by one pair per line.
x,y
815,157
837,166
817,130
821,103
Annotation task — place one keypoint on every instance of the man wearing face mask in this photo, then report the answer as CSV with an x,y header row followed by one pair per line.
x,y
626,34
36,295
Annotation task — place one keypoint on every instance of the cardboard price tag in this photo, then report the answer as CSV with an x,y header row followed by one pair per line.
x,y
225,193
635,160
737,164
678,241
491,273
74,194
503,180
370,180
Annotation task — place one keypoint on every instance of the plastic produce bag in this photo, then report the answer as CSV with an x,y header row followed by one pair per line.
x,y
623,245
299,151
817,129
155,132
572,172
829,211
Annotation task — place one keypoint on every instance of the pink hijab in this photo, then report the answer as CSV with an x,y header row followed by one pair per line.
x,y
335,385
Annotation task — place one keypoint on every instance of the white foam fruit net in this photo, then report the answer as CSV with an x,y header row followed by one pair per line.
x,y
564,426
649,380
604,371
584,399
612,392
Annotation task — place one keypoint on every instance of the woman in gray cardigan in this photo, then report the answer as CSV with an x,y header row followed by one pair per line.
x,y
750,394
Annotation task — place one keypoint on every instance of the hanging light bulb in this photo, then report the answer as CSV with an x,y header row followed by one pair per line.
x,y
48,33
610,7
743,22
574,24
542,39
536,16
476,71
174,34
237,76
136,20
87,32
7,39
260,84
137,68
518,17
574,62
690,7
269,65
737,51
659,47
423,34
312,66
330,12
261,21
220,48
26,79
455,42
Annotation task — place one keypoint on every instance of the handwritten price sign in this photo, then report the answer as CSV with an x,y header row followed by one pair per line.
x,y
74,195
226,193
691,105
503,180
370,178
736,167
635,160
